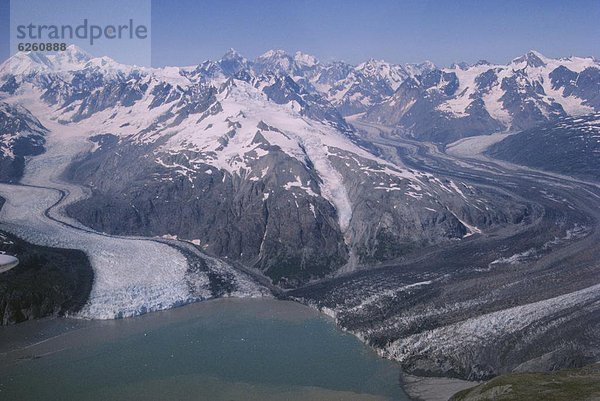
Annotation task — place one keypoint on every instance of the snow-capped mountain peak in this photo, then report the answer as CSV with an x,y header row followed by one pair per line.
x,y
276,61
232,54
301,66
233,62
273,53
532,58
461,100
443,105
71,59
305,60
462,65
73,55
22,63
415,69
392,74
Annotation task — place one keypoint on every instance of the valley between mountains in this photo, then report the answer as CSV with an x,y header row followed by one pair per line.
x,y
322,184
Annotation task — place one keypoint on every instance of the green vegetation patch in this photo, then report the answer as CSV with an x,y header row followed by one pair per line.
x,y
570,384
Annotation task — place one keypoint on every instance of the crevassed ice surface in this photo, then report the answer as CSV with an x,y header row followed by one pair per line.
x,y
131,275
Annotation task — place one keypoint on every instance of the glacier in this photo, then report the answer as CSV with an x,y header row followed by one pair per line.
x,y
131,275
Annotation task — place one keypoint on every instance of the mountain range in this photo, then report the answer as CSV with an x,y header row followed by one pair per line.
x,y
252,158
441,104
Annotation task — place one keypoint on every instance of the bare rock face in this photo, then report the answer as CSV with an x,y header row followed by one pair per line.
x,y
568,146
257,222
47,281
21,135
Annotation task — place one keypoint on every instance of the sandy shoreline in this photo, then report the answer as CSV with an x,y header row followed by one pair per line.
x,y
433,388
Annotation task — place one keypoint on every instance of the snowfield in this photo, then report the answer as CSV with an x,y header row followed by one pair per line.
x,y
475,145
493,98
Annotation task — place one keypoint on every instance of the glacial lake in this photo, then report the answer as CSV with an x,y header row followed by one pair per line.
x,y
228,349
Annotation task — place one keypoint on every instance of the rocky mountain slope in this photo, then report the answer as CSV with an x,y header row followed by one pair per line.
x,y
47,281
568,146
351,89
447,104
21,135
519,298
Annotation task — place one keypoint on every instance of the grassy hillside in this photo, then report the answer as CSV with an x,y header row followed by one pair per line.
x,y
564,385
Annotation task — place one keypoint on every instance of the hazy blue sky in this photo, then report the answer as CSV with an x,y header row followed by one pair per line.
x,y
186,32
